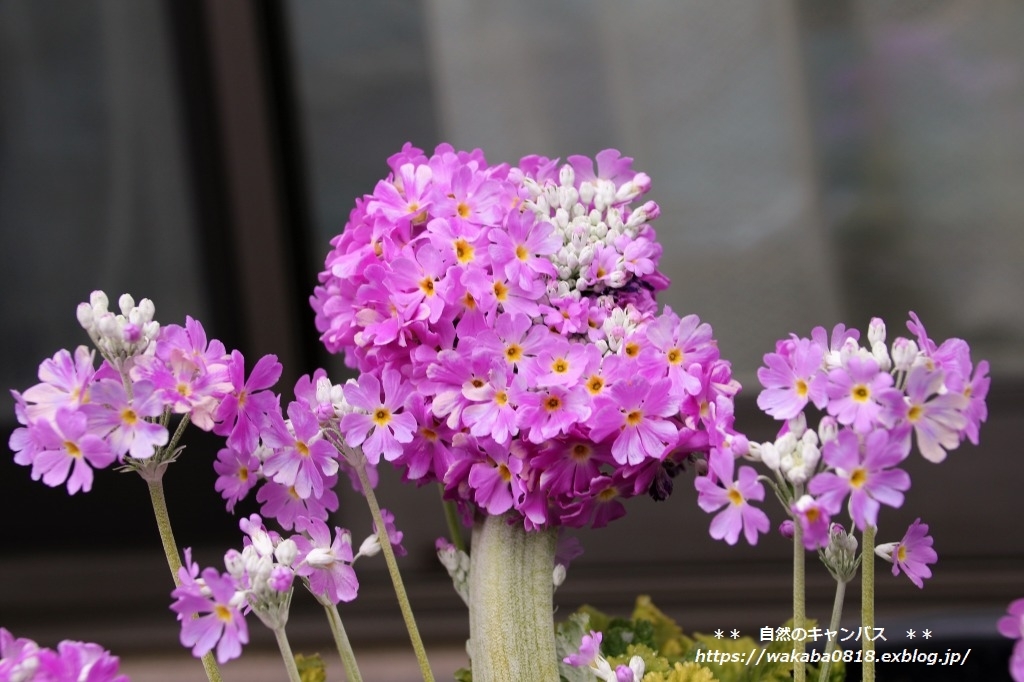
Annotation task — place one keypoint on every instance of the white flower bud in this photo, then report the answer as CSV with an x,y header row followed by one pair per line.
x,y
126,303
828,429
558,576
566,176
286,552
587,191
904,353
85,317
876,331
234,562
880,353
370,546
99,302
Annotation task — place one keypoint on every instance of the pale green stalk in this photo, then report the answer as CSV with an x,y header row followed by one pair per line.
x,y
396,577
833,626
287,655
511,627
163,523
348,657
867,604
799,606
451,516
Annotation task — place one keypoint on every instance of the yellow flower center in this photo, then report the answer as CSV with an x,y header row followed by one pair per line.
x,y
595,384
513,352
861,393
560,366
553,403
859,477
901,553
580,452
801,388
521,252
500,291
632,349
428,434
129,417
463,209
302,448
504,472
464,251
243,474
735,496
675,356
914,413
382,416
607,495
72,449
222,612
427,286
501,397
634,417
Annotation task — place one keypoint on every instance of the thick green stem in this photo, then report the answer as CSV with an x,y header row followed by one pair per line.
x,y
799,607
348,657
867,604
511,626
451,516
396,577
833,626
163,524
287,655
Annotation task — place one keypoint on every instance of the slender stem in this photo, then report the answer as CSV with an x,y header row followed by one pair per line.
x,y
451,516
169,449
511,629
799,606
867,604
833,626
287,655
163,524
348,657
396,577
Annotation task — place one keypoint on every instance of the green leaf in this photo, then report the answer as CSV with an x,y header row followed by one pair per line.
x,y
311,668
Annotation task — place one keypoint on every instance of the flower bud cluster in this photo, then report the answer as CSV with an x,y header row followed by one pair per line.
x,y
119,337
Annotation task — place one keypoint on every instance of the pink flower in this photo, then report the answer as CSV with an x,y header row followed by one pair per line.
x,y
237,474
856,391
383,426
123,421
74,661
638,412
815,521
1012,625
718,489
793,377
863,469
912,554
210,615
65,381
65,450
326,562
938,419
243,410
302,458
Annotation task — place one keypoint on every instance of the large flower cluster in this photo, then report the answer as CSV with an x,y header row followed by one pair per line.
x,y
875,401
504,322
22,660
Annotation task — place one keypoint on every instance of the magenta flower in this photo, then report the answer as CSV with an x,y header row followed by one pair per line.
x,y
1012,625
394,535
638,412
65,381
815,521
863,469
78,661
383,426
283,503
237,474
243,410
210,615
124,422
517,249
718,489
65,450
302,458
912,554
19,657
856,391
589,651
938,419
326,562
793,377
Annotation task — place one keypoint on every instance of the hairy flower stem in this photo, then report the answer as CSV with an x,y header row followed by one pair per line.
x,y
287,655
163,524
396,577
348,657
511,628
799,607
833,626
867,604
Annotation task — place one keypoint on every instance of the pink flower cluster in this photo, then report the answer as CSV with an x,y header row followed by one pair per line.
x,y
874,402
212,605
1012,625
81,417
22,660
504,324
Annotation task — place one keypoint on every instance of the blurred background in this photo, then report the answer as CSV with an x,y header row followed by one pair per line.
x,y
814,162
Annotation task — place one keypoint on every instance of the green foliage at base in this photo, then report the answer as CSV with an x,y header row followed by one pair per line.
x,y
311,668
670,655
